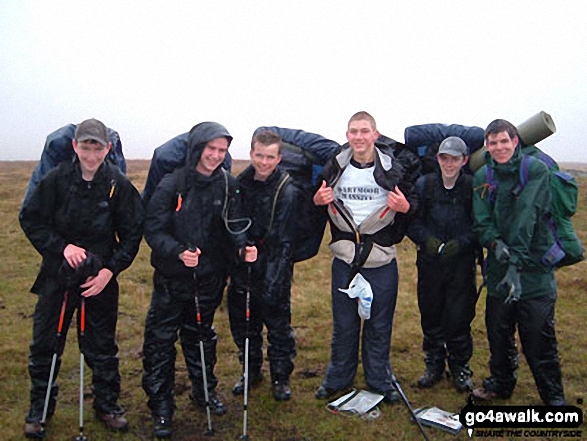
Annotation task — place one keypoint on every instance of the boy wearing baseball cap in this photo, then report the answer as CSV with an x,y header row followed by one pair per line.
x,y
442,230
84,210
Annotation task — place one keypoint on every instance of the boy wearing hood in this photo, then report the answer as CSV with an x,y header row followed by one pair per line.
x,y
194,231
521,288
367,194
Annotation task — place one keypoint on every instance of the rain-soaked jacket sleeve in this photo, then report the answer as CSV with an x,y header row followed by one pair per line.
x,y
128,225
159,220
513,219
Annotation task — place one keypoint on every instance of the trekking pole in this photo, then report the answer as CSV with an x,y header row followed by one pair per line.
x,y
54,360
81,436
244,436
407,403
210,430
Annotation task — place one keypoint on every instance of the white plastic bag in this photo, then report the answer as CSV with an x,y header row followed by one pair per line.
x,y
360,289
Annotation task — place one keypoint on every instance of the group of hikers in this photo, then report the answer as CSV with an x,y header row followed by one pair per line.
x,y
207,229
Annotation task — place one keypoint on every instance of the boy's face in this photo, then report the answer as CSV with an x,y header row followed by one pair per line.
x,y
361,136
212,156
91,155
450,166
501,147
264,159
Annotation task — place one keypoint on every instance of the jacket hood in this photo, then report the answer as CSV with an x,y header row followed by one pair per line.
x,y
199,136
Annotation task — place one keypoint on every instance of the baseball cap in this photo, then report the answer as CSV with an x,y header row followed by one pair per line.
x,y
92,129
453,146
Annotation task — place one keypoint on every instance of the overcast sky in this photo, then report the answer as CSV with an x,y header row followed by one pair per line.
x,y
153,69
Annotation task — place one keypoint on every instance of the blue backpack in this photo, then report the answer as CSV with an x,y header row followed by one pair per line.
x,y
58,148
567,249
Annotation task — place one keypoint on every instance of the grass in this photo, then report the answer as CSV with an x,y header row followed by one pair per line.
x,y
301,419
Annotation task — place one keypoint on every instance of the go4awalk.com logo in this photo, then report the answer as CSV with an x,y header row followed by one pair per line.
x,y
523,422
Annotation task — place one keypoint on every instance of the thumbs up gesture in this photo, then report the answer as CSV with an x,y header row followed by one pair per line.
x,y
324,195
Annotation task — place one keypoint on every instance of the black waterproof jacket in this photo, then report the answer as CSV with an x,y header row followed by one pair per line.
x,y
271,205
190,210
444,214
103,216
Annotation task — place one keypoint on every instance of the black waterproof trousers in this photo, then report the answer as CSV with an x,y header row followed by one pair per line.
x,y
534,319
447,297
173,311
98,344
275,314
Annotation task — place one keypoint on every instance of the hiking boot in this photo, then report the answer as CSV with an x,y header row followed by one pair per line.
x,y
556,402
114,421
34,430
281,390
462,380
162,426
254,380
216,405
391,396
324,393
432,376
485,395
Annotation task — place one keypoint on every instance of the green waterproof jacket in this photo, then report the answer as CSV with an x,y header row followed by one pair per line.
x,y
517,219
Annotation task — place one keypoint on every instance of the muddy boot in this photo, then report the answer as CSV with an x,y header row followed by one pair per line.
x,y
433,375
461,377
255,377
435,365
281,390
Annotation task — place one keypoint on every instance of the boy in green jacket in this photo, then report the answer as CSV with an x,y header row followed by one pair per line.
x,y
521,290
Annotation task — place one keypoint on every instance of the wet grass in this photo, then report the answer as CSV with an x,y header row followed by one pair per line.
x,y
301,419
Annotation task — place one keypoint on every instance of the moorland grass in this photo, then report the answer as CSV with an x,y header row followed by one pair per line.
x,y
302,418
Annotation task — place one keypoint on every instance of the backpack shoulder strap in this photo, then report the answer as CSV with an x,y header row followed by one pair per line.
x,y
467,193
281,184
491,184
428,191
181,188
525,165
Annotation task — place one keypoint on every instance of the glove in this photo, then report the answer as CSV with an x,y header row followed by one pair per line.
x,y
74,277
502,252
511,285
451,249
433,246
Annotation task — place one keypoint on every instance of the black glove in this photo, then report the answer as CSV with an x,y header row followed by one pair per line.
x,y
74,277
433,246
451,249
502,252
511,285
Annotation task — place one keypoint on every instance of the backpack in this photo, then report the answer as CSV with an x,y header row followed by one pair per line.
x,y
168,157
58,148
303,155
567,249
426,139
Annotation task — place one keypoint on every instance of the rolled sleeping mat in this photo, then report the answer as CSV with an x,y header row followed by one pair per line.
x,y
535,129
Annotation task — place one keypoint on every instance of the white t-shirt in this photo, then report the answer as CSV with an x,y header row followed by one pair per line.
x,y
359,192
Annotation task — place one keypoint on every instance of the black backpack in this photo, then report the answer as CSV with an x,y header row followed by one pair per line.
x,y
303,155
